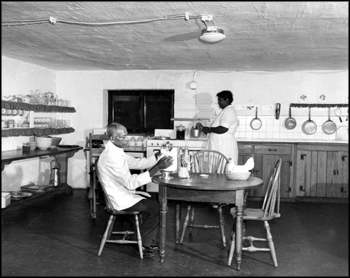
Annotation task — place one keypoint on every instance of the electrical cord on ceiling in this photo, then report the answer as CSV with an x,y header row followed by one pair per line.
x,y
53,20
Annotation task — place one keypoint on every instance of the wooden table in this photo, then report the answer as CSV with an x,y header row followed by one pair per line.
x,y
215,188
62,154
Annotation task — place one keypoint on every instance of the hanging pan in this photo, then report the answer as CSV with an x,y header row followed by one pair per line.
x,y
256,122
329,127
290,123
309,127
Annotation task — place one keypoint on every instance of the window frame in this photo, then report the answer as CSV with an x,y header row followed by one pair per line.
x,y
143,108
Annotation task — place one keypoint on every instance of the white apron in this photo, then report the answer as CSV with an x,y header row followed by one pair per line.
x,y
226,142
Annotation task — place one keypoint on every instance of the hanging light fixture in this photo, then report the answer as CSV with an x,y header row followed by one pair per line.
x,y
211,34
193,84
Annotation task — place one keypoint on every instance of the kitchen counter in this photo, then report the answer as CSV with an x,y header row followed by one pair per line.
x,y
267,140
295,141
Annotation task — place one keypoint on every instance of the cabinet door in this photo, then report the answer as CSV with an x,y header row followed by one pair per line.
x,y
244,152
311,173
337,175
265,158
264,164
322,174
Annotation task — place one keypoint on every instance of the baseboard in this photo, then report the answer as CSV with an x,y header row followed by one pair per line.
x,y
306,200
322,200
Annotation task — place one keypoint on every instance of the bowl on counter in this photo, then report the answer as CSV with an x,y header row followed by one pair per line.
x,y
55,142
43,143
32,146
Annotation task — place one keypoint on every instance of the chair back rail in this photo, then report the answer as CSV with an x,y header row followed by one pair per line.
x,y
272,195
109,205
208,161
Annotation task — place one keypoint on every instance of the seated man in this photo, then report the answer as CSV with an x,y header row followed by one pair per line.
x,y
114,173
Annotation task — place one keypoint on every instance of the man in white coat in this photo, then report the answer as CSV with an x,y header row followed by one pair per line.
x,y
114,173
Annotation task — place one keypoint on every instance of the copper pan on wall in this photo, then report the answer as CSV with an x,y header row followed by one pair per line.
x,y
309,127
290,122
329,127
256,122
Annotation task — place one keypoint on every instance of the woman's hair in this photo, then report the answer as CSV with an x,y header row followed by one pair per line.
x,y
225,95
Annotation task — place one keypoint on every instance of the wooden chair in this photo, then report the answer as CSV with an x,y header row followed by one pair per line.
x,y
106,238
94,153
206,161
270,210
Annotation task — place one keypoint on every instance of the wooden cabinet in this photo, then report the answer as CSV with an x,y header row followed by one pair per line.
x,y
244,152
265,158
322,171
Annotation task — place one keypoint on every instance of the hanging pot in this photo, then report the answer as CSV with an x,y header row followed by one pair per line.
x,y
309,127
256,122
290,123
329,127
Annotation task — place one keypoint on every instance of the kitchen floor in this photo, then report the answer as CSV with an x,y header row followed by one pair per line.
x,y
55,236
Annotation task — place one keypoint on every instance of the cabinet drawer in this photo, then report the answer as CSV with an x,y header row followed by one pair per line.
x,y
245,149
273,149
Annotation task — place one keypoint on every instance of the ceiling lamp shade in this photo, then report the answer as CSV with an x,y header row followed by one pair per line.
x,y
212,36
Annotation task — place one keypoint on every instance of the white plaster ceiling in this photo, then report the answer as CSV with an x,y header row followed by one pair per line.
x,y
261,36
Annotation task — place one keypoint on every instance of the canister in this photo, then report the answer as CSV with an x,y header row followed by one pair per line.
x,y
11,123
180,132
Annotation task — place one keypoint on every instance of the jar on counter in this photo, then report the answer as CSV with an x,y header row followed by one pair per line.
x,y
11,123
144,141
132,142
180,132
139,141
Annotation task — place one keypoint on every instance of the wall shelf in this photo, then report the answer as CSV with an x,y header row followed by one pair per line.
x,y
15,132
318,105
189,119
36,107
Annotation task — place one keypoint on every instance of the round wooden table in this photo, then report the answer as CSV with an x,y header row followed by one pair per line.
x,y
208,188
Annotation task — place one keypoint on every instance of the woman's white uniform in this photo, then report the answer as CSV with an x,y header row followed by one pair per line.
x,y
226,142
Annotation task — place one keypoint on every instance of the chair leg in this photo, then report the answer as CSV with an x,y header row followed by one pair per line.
x,y
191,221
138,234
185,223
222,226
232,247
106,234
271,245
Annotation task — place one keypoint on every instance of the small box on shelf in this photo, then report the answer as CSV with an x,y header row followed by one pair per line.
x,y
5,199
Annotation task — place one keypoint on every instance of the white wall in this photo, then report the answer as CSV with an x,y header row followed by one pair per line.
x,y
18,78
88,94
88,91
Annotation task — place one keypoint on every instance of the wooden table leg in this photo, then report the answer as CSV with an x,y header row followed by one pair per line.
x,y
239,226
162,226
63,160
177,222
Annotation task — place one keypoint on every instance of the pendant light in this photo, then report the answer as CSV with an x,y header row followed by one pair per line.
x,y
211,34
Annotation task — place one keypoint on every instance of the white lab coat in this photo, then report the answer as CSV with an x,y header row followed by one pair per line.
x,y
114,172
225,143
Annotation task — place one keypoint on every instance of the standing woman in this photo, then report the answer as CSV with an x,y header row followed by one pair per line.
x,y
223,128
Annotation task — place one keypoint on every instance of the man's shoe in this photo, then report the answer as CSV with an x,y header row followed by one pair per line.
x,y
145,250
152,248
